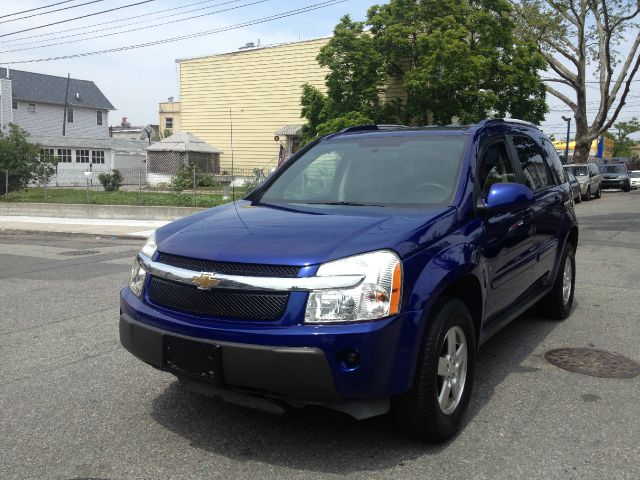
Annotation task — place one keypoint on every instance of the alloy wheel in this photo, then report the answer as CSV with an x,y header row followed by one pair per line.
x,y
452,370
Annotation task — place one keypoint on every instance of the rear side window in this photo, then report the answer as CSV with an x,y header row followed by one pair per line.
x,y
555,164
535,173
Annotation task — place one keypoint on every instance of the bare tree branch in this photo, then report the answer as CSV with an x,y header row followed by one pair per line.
x,y
562,97
557,80
627,87
559,8
560,69
562,51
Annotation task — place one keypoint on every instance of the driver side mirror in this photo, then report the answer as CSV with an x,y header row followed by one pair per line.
x,y
504,197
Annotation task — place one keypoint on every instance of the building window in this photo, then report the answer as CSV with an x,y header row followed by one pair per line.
x,y
168,122
82,156
69,115
14,104
97,156
64,155
99,117
47,153
32,108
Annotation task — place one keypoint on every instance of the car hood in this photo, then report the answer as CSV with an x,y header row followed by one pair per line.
x,y
301,235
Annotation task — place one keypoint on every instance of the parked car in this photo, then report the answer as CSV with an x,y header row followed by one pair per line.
x,y
589,177
616,175
634,178
575,186
362,275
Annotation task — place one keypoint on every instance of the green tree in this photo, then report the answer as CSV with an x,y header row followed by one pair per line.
x,y
572,36
18,157
425,61
621,135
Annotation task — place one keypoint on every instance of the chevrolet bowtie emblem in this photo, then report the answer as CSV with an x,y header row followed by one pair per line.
x,y
205,281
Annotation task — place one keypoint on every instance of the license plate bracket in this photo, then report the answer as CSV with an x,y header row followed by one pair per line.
x,y
200,360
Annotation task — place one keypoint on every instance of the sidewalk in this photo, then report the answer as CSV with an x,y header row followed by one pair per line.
x,y
87,226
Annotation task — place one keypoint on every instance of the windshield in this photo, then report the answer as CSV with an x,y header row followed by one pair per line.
x,y
382,170
613,169
634,174
578,170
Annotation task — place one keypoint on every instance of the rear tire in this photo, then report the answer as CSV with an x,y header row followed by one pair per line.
x,y
557,304
434,407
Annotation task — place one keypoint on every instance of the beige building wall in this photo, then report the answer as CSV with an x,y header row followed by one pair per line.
x,y
170,110
261,87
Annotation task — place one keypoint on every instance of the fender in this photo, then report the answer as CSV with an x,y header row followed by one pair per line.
x,y
440,272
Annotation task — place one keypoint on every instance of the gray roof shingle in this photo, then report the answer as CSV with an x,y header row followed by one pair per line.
x,y
38,87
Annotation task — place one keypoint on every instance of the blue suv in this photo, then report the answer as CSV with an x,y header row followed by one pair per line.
x,y
363,275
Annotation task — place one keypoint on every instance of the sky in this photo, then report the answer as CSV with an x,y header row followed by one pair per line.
x,y
136,80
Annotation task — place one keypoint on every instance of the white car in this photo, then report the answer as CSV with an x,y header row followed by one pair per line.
x,y
634,177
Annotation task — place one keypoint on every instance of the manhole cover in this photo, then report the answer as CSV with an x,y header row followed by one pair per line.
x,y
75,253
597,363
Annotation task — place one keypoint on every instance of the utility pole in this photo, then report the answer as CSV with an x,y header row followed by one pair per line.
x,y
66,96
566,145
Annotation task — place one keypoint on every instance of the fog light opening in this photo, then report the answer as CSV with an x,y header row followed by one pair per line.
x,y
350,358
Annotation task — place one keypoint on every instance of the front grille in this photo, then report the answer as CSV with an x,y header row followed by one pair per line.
x,y
217,303
229,268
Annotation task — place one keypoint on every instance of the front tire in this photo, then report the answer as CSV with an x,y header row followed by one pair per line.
x,y
434,407
599,192
587,196
557,304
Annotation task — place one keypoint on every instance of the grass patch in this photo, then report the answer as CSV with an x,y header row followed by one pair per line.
x,y
120,197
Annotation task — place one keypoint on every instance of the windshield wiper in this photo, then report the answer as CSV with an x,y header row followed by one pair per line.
x,y
351,204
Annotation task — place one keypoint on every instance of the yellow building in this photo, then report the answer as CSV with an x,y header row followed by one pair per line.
x,y
169,118
257,90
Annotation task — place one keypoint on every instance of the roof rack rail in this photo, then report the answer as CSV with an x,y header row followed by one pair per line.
x,y
364,128
511,120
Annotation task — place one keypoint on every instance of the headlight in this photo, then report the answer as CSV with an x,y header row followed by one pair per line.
x,y
150,247
376,297
138,274
136,280
621,177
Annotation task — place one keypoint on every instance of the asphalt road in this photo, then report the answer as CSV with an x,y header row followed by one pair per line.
x,y
74,404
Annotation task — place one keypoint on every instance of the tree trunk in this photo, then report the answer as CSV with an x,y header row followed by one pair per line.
x,y
581,153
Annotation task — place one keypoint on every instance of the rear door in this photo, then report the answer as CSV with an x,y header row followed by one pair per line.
x,y
548,205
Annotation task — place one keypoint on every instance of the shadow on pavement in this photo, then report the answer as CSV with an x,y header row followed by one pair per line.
x,y
320,440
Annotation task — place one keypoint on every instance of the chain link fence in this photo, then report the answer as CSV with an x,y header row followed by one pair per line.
x,y
196,185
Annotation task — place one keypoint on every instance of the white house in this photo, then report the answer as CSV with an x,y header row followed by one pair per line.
x,y
36,102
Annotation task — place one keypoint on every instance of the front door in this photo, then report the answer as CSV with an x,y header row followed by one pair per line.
x,y
508,236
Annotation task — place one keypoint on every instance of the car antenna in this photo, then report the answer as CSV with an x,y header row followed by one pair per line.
x,y
233,177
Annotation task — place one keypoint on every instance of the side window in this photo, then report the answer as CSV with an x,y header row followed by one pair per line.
x,y
494,167
555,164
534,170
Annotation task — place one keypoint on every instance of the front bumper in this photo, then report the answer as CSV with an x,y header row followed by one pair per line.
x,y
289,360
297,373
614,183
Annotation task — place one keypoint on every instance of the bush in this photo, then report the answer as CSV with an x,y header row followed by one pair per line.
x,y
111,181
183,179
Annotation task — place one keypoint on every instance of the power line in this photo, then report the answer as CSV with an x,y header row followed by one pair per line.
x,y
137,29
37,8
158,12
51,11
271,18
77,18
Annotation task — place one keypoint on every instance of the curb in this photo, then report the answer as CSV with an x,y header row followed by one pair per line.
x,y
16,232
102,212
